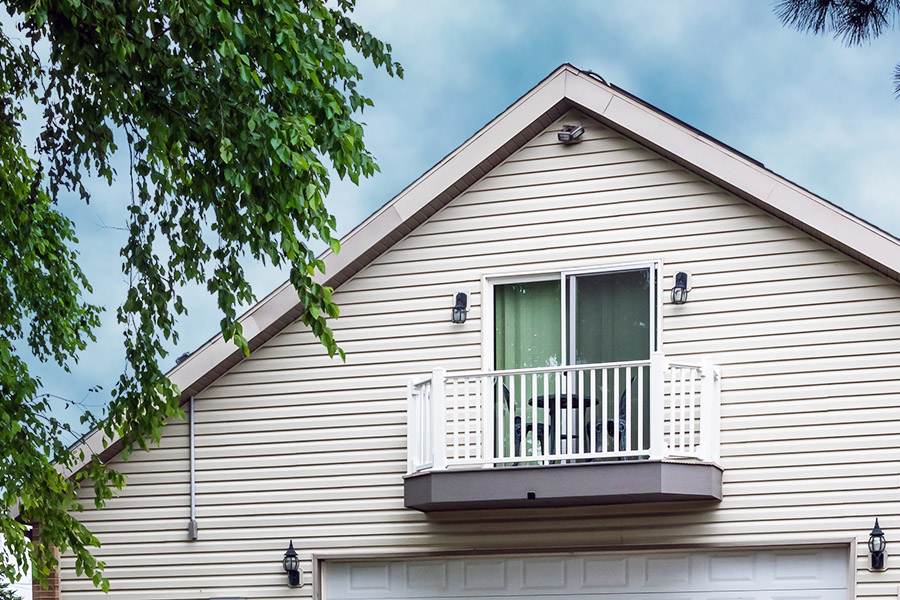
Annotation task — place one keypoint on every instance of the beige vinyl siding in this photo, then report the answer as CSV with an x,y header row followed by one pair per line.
x,y
294,445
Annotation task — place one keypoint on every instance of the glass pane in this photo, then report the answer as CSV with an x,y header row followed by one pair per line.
x,y
612,317
612,324
526,335
527,325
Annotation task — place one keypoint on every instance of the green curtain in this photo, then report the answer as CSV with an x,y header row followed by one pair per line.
x,y
612,317
527,334
612,324
527,325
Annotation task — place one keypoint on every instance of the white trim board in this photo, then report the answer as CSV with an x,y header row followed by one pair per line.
x,y
321,559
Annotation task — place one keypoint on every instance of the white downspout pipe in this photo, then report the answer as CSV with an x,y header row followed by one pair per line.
x,y
192,526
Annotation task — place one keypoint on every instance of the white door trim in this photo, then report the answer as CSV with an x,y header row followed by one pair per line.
x,y
320,559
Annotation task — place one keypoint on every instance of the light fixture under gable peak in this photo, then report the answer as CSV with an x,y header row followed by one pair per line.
x,y
570,134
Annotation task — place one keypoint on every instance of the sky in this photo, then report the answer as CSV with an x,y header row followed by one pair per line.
x,y
810,109
816,112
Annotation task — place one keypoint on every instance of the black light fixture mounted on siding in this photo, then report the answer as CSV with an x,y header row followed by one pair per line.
x,y
460,308
570,134
291,564
877,547
681,287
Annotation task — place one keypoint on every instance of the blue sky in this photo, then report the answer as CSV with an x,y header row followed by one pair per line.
x,y
812,110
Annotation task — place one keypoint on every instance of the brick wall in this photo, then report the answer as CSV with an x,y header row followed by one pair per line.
x,y
51,592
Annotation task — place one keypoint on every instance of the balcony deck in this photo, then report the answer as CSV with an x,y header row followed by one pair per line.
x,y
639,431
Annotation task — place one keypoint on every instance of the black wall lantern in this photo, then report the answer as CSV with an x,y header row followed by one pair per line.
x,y
681,287
877,548
291,564
460,308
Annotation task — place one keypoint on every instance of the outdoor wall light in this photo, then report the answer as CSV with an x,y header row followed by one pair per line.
x,y
877,549
291,564
681,287
460,308
570,134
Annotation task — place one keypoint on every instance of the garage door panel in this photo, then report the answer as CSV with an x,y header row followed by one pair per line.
x,y
737,595
603,574
482,575
806,574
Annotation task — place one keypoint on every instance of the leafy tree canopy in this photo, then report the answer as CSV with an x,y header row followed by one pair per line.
x,y
232,116
851,21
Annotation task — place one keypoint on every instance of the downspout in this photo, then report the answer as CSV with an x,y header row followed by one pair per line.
x,y
192,526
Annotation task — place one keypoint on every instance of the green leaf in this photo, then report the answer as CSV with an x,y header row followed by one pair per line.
x,y
226,150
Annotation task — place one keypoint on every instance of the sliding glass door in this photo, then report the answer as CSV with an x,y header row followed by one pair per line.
x,y
527,334
611,319
575,319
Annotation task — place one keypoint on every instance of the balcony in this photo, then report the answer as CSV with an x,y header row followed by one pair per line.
x,y
638,431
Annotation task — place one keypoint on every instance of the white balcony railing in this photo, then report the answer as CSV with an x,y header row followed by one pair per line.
x,y
634,410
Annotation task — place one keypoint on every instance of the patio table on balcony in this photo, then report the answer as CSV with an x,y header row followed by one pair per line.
x,y
578,403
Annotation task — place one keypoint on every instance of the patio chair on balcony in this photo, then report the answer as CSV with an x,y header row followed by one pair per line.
x,y
612,424
517,427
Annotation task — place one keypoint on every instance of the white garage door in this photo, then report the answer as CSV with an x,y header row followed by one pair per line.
x,y
808,574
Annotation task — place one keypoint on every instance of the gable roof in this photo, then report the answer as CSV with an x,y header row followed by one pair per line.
x,y
565,88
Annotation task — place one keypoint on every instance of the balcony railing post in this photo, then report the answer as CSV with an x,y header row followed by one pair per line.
x,y
438,420
717,414
487,420
412,432
709,411
657,406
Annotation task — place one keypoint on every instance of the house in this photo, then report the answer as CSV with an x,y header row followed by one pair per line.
x,y
529,407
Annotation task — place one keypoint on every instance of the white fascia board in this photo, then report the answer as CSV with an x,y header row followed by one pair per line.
x,y
203,360
354,246
385,220
255,320
482,145
722,164
448,171
837,224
